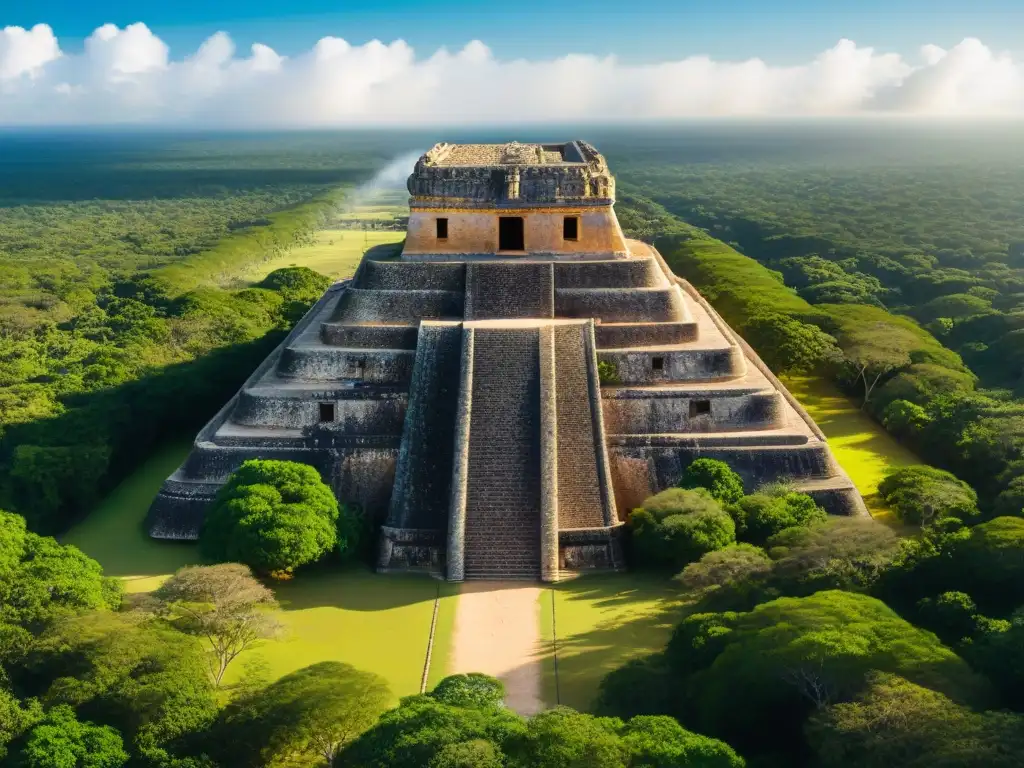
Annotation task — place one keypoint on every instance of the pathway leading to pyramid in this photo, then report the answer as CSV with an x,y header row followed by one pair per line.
x,y
497,632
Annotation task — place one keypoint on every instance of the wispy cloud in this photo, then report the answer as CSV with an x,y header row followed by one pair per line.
x,y
127,76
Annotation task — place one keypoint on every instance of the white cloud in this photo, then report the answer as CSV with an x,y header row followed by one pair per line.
x,y
26,51
127,76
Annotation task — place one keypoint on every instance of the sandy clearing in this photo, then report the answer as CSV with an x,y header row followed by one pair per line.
x,y
497,632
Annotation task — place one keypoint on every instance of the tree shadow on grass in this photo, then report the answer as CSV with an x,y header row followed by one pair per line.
x,y
356,587
601,622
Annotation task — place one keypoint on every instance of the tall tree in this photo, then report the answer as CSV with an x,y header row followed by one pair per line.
x,y
224,605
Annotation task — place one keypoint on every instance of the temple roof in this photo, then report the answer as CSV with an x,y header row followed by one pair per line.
x,y
511,153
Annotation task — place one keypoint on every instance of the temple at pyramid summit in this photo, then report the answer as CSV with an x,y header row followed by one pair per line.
x,y
500,394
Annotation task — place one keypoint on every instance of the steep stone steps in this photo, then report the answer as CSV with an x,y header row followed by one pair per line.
x,y
502,528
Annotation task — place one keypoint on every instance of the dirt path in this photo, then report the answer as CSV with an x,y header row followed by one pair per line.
x,y
497,631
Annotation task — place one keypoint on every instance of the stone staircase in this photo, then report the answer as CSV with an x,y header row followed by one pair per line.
x,y
502,534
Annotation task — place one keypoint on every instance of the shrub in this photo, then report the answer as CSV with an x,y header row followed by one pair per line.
x,y
721,482
274,516
920,494
471,690
731,564
762,515
607,373
677,526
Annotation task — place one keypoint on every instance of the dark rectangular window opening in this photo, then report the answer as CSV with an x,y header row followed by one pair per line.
x,y
571,228
510,234
442,229
326,412
699,407
657,363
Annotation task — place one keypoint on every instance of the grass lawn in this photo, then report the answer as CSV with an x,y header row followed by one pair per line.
x,y
374,622
602,621
336,253
861,446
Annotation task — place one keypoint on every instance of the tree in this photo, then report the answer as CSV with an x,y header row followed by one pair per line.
x,y
838,553
896,722
793,656
989,566
41,580
564,738
920,494
789,345
15,718
126,670
677,526
476,753
721,482
955,306
274,516
953,616
762,515
470,690
417,730
876,349
731,564
661,742
904,419
222,604
641,686
997,650
1011,499
61,741
312,713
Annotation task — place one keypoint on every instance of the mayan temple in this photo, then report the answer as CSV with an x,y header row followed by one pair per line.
x,y
501,394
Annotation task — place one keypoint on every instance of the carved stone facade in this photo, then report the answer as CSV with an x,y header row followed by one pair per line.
x,y
456,399
513,174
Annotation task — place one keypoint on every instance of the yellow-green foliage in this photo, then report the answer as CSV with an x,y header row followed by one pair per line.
x,y
332,252
844,317
738,286
286,229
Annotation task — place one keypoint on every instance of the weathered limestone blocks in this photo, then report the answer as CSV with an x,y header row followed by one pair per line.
x,y
358,415
397,306
329,363
631,335
630,273
418,512
503,290
408,276
613,305
591,549
640,366
659,411
369,336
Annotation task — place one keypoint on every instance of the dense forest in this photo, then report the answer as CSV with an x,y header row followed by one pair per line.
x,y
114,325
889,262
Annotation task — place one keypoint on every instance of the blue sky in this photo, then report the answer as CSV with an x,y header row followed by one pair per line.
x,y
781,32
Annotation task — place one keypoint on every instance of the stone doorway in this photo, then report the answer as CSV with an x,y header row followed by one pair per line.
x,y
510,233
